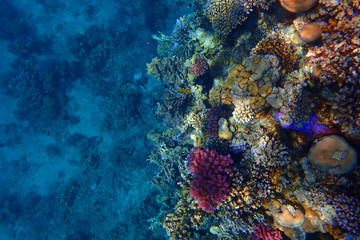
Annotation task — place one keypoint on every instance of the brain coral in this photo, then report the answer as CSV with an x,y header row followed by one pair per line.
x,y
333,154
210,170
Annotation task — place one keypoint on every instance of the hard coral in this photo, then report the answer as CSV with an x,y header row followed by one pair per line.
x,y
311,32
263,232
348,212
225,15
210,170
333,154
276,45
214,116
199,68
296,6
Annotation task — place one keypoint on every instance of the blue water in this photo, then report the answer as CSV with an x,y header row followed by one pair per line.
x,y
76,104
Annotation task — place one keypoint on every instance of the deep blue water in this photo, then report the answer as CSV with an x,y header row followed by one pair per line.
x,y
76,104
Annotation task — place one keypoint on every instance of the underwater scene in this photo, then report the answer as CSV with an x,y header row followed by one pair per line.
x,y
180,119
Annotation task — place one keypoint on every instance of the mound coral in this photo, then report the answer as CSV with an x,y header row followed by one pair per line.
x,y
333,154
311,32
263,232
210,171
296,6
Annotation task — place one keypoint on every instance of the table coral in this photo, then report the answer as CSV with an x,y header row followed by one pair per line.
x,y
210,173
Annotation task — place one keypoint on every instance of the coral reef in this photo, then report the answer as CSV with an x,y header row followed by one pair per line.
x,y
296,6
311,32
262,231
210,173
348,210
226,15
213,116
199,67
272,95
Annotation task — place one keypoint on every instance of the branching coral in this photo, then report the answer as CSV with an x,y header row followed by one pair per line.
x,y
262,231
210,174
226,15
276,45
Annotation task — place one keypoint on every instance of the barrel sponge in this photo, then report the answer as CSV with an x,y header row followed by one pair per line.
x,y
333,154
289,217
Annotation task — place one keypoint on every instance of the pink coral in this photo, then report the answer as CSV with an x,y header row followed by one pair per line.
x,y
264,232
199,68
210,170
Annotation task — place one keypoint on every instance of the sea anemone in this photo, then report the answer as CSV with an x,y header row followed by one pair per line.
x,y
311,32
296,6
333,154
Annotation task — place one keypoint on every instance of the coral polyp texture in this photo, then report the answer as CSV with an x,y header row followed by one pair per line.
x,y
263,232
277,87
210,174
199,67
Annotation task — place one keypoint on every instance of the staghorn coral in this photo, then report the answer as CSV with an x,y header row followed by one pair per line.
x,y
210,173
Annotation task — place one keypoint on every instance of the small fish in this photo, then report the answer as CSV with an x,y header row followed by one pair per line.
x,y
184,90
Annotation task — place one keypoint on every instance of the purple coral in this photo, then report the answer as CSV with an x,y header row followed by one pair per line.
x,y
210,170
263,232
214,115
199,68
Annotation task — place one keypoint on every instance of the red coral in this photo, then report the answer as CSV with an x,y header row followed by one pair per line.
x,y
209,185
263,232
199,68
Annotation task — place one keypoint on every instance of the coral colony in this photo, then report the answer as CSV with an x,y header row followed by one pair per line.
x,y
270,149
